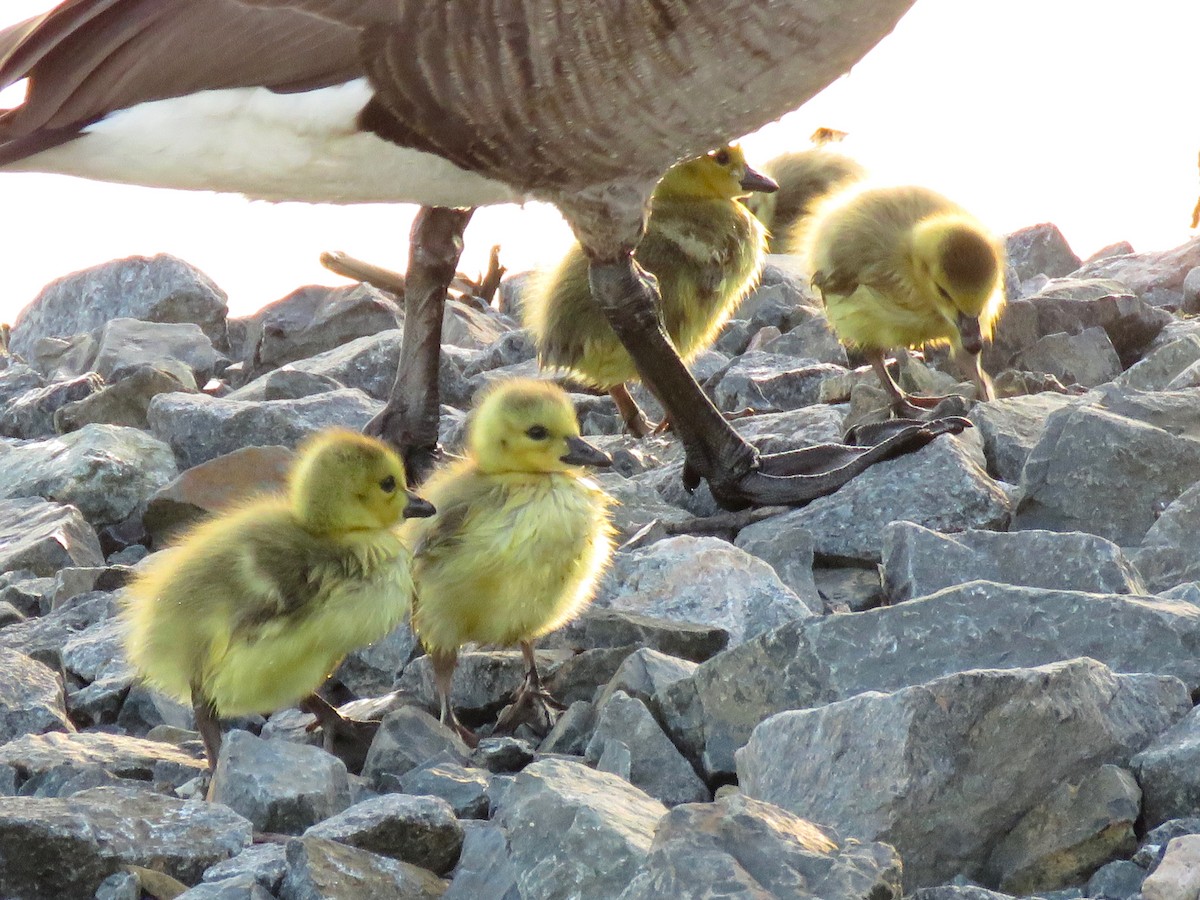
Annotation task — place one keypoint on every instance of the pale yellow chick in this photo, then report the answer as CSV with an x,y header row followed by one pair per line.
x,y
904,266
252,610
520,539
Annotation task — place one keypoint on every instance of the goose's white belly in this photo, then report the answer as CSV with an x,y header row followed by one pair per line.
x,y
285,147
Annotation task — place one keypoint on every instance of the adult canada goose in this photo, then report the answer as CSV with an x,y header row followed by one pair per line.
x,y
583,104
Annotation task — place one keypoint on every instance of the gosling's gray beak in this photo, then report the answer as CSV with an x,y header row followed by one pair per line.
x,y
581,453
757,182
417,507
968,329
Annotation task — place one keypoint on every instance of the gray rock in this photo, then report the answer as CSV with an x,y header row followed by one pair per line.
x,y
485,871
124,403
1157,277
96,656
765,381
1170,551
639,508
43,638
465,789
814,338
320,869
43,537
31,415
979,625
1011,427
509,349
18,379
1154,844
734,337
956,892
1117,880
644,673
703,580
954,763
372,670
1040,250
144,709
314,319
1099,471
848,525
199,428
745,848
789,552
1191,291
286,384
581,676
573,831
121,756
1077,828
121,345
265,863
618,628
778,432
572,731
1071,305
1087,358
418,830
120,886
408,738
616,759
101,829
158,289
1167,771
503,754
655,765
467,325
236,887
31,697
917,561
1161,367
107,472
279,786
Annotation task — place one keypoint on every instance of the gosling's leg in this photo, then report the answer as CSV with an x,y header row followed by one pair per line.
x,y
409,421
736,473
444,664
208,724
904,404
532,703
631,414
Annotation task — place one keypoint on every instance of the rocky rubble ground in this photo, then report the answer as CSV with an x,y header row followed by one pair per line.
x,y
967,675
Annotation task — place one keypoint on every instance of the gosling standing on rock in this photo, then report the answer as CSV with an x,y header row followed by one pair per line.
x,y
520,538
903,266
704,247
251,611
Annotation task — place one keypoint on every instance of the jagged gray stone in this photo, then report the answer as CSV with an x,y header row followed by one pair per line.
x,y
951,765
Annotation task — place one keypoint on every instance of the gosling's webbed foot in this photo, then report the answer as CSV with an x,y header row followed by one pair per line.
x,y
346,738
531,706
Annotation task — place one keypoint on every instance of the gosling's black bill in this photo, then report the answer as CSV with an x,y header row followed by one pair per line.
x,y
758,183
968,329
417,507
581,453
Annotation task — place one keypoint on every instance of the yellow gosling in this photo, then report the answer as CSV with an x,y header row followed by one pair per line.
x,y
903,266
520,539
704,247
252,610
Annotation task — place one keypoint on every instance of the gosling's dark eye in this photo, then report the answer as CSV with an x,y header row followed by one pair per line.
x,y
721,157
388,484
537,432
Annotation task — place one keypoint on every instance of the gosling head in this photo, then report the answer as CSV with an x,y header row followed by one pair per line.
x,y
720,175
958,267
529,426
343,481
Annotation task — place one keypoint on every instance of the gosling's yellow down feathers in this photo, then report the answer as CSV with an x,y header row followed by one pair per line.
x,y
706,250
252,610
805,179
521,535
903,266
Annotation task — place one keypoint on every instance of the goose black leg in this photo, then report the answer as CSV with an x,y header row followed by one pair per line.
x,y
737,475
409,421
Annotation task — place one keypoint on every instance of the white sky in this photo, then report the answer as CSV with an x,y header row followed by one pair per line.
x,y
1078,112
